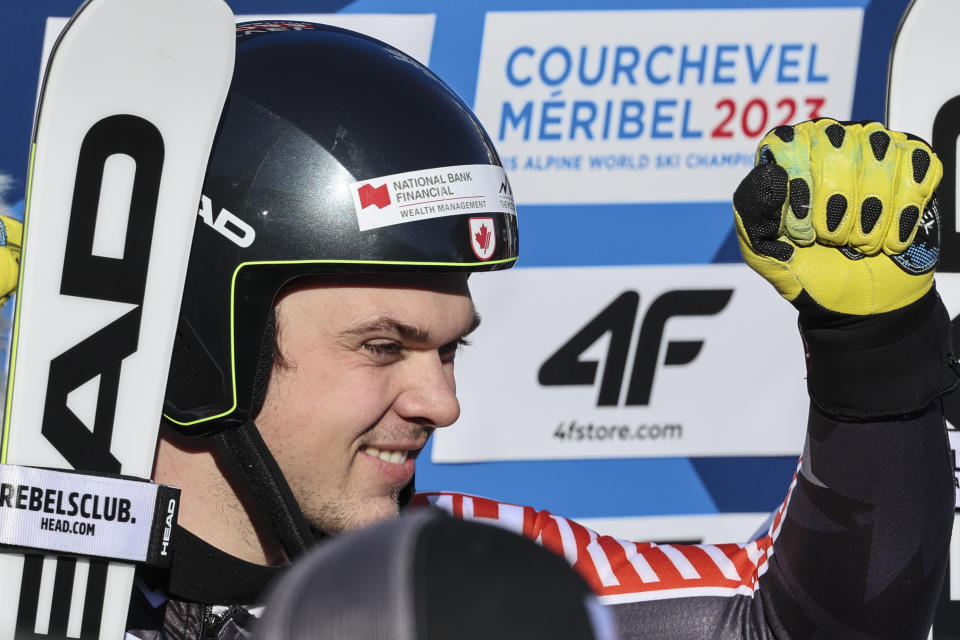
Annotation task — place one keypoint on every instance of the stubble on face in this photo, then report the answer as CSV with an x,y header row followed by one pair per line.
x,y
344,510
339,507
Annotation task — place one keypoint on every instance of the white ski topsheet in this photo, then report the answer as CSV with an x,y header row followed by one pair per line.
x,y
922,75
164,67
923,89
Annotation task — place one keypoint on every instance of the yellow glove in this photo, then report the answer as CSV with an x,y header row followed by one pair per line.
x,y
832,210
11,238
842,220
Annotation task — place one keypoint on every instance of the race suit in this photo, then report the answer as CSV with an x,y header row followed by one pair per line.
x,y
857,550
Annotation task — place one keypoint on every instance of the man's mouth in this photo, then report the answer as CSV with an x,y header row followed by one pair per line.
x,y
394,456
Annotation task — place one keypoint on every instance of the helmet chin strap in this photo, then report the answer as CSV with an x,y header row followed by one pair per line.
x,y
249,461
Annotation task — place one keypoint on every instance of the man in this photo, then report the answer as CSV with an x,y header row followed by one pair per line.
x,y
349,196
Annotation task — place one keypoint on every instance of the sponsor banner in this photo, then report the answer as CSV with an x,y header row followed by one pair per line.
x,y
435,193
66,512
624,362
647,106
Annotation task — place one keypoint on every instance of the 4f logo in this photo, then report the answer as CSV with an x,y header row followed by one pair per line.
x,y
565,367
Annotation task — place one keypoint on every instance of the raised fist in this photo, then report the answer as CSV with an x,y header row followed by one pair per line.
x,y
841,215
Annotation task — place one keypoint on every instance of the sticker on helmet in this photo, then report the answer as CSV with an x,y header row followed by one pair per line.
x,y
375,196
482,238
434,193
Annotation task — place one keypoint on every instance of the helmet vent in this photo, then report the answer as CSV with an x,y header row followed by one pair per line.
x,y
194,377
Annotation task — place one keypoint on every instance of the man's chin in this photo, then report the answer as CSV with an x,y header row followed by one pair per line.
x,y
351,518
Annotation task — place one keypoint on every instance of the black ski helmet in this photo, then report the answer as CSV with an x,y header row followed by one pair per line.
x,y
427,575
336,153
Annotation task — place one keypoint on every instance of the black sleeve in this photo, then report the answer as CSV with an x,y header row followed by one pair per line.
x,y
863,547
858,550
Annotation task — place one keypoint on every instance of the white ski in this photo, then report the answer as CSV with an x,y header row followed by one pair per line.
x,y
923,98
128,109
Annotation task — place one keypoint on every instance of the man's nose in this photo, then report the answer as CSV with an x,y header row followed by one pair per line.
x,y
429,395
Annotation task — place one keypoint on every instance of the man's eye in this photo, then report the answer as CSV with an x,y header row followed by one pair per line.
x,y
383,349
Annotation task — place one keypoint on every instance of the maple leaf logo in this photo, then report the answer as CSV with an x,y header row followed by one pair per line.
x,y
483,240
377,196
483,237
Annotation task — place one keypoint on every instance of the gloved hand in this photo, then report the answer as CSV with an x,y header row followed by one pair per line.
x,y
11,237
831,216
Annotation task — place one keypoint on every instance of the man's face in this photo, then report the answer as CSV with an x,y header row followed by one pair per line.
x,y
365,376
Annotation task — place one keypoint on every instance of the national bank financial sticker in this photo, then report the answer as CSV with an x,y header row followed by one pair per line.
x,y
431,193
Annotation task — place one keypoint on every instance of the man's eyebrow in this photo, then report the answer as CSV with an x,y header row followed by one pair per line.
x,y
406,331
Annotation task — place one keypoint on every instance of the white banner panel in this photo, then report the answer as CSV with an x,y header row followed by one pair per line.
x,y
646,106
623,362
